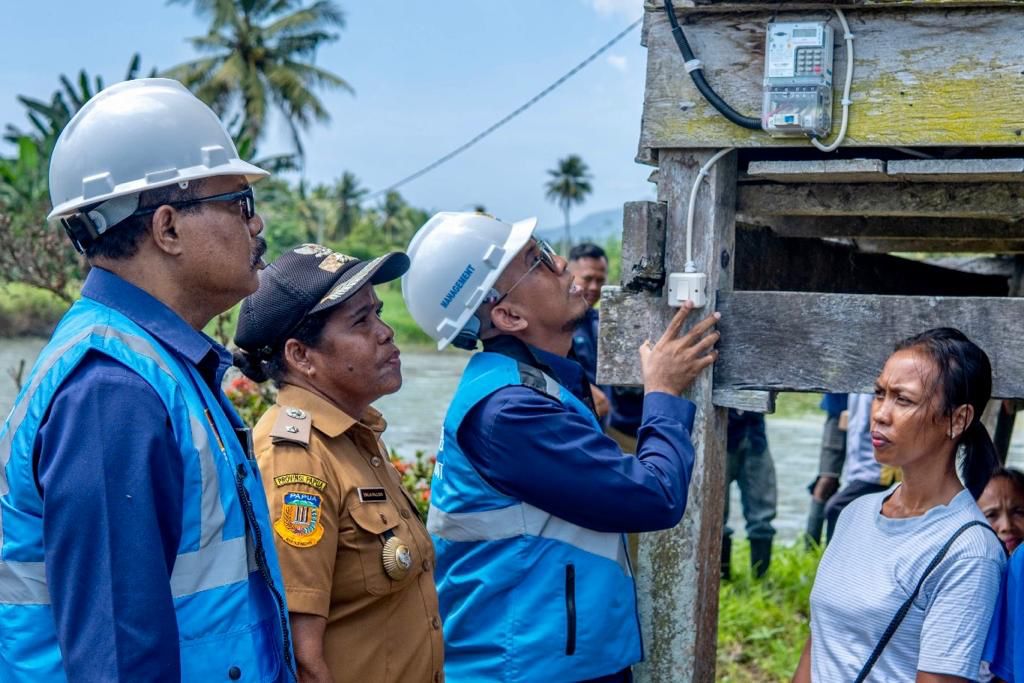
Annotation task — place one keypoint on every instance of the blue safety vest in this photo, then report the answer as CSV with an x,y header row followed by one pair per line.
x,y
226,584
525,595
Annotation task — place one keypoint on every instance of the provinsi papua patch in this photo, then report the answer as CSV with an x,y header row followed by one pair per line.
x,y
299,524
372,495
296,478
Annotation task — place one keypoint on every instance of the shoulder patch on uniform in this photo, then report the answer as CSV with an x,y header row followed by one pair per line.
x,y
299,524
297,478
292,425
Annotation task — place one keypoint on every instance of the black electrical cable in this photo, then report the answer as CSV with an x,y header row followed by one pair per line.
x,y
698,77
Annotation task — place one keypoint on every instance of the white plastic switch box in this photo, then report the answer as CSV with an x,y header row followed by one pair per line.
x,y
688,287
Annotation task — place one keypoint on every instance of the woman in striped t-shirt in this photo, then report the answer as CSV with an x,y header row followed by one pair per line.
x,y
927,409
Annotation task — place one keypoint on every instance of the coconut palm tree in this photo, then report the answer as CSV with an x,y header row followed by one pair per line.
x,y
569,186
348,193
260,56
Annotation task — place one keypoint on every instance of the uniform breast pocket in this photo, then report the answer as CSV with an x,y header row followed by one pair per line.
x,y
385,552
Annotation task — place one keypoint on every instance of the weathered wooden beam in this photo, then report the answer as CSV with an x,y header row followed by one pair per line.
x,y
957,170
940,245
907,91
765,261
643,246
801,341
820,171
883,227
749,401
678,569
999,201
748,5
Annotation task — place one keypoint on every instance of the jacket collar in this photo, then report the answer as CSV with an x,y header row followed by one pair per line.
x,y
328,418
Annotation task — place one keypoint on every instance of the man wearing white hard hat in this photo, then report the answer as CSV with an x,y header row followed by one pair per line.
x,y
135,532
529,499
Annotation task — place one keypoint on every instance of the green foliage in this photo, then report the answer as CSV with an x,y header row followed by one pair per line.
x,y
793,405
29,311
407,332
259,54
763,624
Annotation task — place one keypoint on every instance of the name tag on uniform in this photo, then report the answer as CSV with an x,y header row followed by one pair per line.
x,y
372,495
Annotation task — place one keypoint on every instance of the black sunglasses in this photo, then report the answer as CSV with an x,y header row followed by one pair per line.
x,y
245,198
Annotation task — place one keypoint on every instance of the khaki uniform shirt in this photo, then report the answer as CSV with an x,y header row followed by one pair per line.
x,y
339,508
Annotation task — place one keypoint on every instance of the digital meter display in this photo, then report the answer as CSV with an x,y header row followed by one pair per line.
x,y
798,79
805,33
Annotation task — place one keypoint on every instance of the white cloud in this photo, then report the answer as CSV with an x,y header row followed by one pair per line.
x,y
628,8
618,62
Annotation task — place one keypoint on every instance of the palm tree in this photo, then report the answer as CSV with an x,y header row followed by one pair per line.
x,y
569,185
260,55
348,193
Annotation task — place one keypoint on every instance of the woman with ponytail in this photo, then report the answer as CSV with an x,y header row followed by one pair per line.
x,y
356,559
906,588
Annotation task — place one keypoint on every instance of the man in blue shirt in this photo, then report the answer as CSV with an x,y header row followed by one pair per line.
x,y
135,533
619,407
530,500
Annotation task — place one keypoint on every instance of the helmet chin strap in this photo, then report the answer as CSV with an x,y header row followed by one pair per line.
x,y
469,335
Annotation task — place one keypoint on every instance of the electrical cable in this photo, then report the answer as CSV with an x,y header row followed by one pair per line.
x,y
533,100
690,266
848,37
696,70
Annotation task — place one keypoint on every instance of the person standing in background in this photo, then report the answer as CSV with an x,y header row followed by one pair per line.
x,y
830,464
589,267
749,463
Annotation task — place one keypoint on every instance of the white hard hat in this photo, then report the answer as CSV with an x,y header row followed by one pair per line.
x,y
456,258
135,136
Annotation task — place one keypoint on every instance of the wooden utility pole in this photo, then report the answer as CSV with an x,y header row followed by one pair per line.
x,y
796,242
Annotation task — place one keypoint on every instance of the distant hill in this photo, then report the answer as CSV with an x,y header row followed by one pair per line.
x,y
594,227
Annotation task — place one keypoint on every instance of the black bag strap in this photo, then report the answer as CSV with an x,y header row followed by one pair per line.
x,y
905,607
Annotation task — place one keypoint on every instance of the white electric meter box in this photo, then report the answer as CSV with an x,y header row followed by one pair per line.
x,y
798,79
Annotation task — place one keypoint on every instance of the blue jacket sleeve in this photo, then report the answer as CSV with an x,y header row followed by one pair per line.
x,y
111,482
527,445
1003,651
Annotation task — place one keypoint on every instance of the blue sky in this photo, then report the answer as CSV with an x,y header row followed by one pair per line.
x,y
428,75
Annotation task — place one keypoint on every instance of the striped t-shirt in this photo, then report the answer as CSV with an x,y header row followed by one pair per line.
x,y
870,568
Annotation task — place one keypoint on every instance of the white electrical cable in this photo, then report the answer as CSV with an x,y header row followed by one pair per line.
x,y
848,37
690,266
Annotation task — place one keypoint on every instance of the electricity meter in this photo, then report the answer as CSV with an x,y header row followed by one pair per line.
x,y
798,79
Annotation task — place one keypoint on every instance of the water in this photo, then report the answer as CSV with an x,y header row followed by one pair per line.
x,y
415,414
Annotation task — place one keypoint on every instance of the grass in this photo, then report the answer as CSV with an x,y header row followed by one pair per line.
x,y
792,405
762,625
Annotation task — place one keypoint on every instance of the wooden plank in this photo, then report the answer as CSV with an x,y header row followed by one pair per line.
x,y
1001,201
881,227
940,246
820,171
800,341
678,569
765,261
749,401
643,246
912,87
749,5
957,170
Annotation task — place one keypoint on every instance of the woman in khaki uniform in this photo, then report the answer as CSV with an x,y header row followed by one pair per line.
x,y
356,559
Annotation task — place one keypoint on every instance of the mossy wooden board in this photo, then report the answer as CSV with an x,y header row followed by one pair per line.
x,y
922,77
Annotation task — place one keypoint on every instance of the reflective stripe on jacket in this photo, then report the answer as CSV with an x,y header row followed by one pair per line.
x,y
228,617
524,595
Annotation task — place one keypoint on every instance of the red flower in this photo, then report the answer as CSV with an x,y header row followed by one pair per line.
x,y
425,494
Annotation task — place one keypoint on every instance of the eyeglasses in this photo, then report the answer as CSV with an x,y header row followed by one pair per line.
x,y
245,198
545,255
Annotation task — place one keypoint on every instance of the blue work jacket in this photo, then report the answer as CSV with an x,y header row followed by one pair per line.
x,y
225,583
524,595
